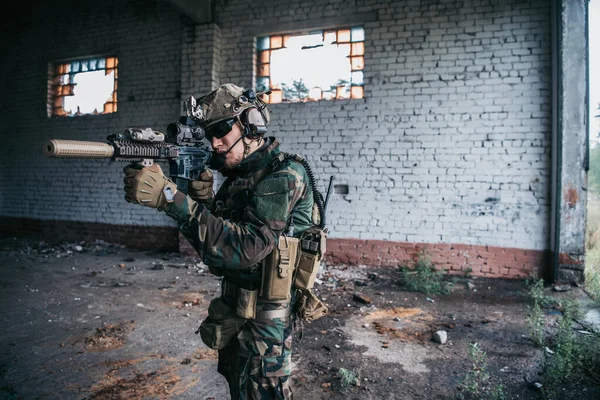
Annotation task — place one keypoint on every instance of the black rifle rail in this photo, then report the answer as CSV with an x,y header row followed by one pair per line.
x,y
129,148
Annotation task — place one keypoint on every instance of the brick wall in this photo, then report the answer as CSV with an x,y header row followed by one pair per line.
x,y
454,259
451,143
449,146
146,38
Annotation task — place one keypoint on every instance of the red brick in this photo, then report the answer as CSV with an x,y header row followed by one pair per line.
x,y
461,247
442,246
496,250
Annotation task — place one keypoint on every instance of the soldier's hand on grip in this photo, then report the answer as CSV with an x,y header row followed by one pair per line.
x,y
201,190
148,186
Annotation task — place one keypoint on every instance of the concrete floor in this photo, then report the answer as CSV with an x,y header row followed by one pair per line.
x,y
97,321
104,320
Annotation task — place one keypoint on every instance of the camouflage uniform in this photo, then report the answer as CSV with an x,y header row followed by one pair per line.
x,y
255,205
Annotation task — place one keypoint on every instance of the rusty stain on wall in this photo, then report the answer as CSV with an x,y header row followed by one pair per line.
x,y
571,197
566,259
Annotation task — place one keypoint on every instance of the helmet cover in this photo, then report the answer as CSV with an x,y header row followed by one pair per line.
x,y
229,101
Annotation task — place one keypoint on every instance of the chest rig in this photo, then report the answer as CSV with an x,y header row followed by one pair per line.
x,y
235,194
291,267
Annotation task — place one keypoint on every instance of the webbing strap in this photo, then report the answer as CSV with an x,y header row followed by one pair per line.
x,y
284,259
270,314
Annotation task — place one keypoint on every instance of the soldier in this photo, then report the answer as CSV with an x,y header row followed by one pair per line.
x,y
244,231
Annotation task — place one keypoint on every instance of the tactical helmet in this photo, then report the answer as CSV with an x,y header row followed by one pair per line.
x,y
230,101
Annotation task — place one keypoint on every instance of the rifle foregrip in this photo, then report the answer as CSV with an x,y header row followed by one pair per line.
x,y
78,149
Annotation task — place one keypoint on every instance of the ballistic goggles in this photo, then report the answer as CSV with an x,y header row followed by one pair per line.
x,y
220,129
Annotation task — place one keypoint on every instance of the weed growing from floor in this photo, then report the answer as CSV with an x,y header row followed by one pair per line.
x,y
592,254
423,277
566,357
347,379
468,271
587,353
476,385
559,365
535,316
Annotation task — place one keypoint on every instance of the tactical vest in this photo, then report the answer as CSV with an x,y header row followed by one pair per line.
x,y
293,263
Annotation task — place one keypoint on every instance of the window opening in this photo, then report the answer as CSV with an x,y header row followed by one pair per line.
x,y
84,86
320,65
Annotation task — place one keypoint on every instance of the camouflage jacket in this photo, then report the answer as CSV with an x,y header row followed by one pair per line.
x,y
255,205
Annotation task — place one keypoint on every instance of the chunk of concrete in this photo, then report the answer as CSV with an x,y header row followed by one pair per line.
x,y
440,337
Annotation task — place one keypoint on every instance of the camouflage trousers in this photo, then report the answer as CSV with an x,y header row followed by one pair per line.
x,y
257,364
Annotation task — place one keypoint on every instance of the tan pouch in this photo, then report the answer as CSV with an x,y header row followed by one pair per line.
x,y
246,303
310,308
306,272
312,248
221,325
278,270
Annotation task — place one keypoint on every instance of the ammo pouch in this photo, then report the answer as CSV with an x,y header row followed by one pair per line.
x,y
278,270
244,299
312,248
221,325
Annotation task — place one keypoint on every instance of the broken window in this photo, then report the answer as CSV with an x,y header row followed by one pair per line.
x,y
319,65
84,86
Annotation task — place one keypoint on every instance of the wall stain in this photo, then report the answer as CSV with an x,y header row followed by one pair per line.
x,y
571,197
566,259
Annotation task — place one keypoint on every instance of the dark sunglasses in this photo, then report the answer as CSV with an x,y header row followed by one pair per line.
x,y
220,129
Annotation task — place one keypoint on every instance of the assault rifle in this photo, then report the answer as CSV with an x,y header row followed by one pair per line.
x,y
183,147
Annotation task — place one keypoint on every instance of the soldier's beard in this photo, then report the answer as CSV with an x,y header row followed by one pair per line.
x,y
233,157
231,164
232,160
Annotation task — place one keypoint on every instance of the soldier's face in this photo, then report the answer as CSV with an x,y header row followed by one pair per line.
x,y
235,156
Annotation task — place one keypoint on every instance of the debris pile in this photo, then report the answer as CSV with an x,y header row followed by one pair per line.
x,y
59,250
109,337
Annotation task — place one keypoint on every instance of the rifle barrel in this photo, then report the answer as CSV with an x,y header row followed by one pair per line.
x,y
78,149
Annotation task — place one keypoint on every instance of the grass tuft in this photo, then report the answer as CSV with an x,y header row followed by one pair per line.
x,y
348,378
476,385
423,277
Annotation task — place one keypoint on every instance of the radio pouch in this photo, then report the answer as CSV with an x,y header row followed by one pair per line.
x,y
221,325
312,248
278,270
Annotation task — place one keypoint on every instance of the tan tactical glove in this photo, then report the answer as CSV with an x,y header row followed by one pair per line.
x,y
148,186
201,190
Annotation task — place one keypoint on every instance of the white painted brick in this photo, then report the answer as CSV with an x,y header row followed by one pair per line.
x,y
456,110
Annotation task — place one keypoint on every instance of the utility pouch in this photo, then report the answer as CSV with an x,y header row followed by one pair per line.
x,y
278,270
310,308
312,248
246,303
221,325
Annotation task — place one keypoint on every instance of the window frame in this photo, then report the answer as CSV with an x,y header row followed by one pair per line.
x,y
353,36
65,70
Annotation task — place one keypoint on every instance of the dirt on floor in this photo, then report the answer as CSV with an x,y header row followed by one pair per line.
x,y
100,321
